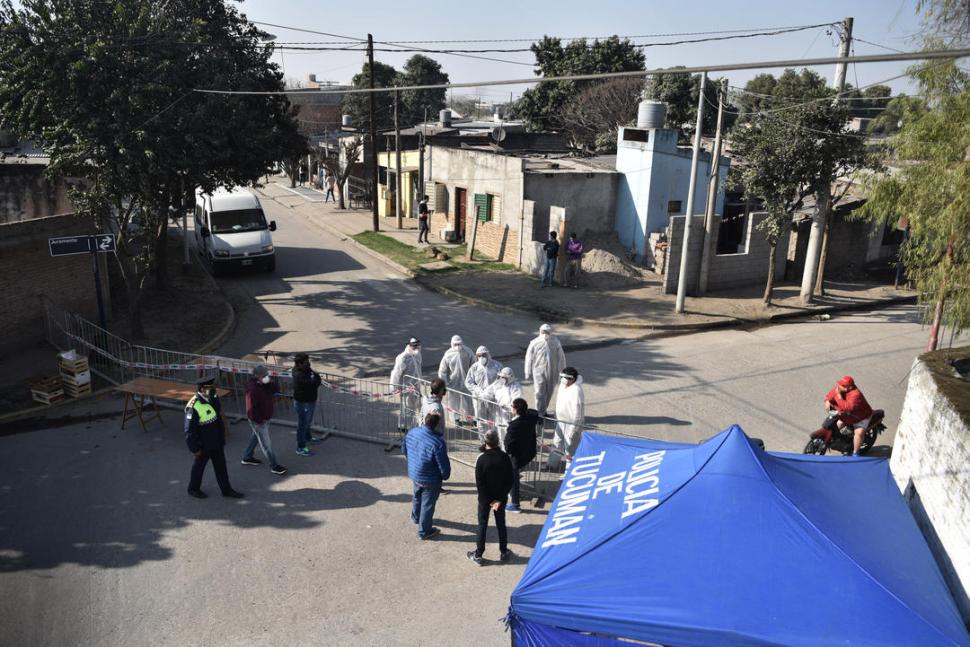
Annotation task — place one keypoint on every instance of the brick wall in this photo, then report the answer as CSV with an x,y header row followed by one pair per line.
x,y
495,241
27,271
929,462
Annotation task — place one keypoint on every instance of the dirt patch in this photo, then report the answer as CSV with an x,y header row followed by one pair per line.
x,y
606,265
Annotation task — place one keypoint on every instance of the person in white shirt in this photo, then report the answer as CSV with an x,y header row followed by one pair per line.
x,y
453,369
544,359
481,374
570,414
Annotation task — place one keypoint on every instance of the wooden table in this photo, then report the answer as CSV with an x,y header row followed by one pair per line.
x,y
142,392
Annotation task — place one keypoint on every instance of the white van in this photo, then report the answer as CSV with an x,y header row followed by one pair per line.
x,y
231,230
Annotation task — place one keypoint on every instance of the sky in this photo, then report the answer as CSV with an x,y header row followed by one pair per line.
x,y
890,23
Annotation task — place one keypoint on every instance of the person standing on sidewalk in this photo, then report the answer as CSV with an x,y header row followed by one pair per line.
x,y
205,436
423,215
329,182
570,415
493,480
520,445
544,358
306,384
551,248
260,393
428,467
574,264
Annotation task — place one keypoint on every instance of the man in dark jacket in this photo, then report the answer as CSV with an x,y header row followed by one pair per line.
x,y
428,466
493,478
306,383
205,436
260,394
520,445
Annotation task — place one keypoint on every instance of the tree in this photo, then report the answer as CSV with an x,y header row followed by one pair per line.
x,y
898,111
358,105
541,106
109,90
421,70
679,91
795,87
331,161
758,93
592,118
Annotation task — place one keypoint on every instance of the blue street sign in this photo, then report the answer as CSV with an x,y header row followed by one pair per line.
x,y
68,245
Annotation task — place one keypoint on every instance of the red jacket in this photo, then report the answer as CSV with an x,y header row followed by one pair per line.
x,y
259,400
852,408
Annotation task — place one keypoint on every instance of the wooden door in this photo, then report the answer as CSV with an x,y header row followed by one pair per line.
x,y
461,203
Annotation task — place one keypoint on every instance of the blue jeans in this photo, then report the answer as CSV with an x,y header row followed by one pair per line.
x,y
304,418
422,506
549,274
516,476
260,437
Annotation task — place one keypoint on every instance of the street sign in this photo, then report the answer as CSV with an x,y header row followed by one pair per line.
x,y
68,245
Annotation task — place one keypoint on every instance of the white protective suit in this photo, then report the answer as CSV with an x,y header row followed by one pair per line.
x,y
570,414
502,391
477,381
406,375
453,369
544,359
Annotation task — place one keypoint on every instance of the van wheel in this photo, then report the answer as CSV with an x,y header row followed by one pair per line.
x,y
270,265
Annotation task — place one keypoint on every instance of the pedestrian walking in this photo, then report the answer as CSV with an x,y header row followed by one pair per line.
x,y
520,445
453,369
406,376
330,182
502,392
493,480
574,261
260,394
423,215
551,248
428,467
306,385
570,414
481,374
205,436
544,359
302,175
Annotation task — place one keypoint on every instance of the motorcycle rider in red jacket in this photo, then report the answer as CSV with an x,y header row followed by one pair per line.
x,y
854,411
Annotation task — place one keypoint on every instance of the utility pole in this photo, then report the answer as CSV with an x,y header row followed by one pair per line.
x,y
186,260
373,135
713,180
823,197
397,165
682,277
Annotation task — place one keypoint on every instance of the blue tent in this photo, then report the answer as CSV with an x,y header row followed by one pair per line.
x,y
724,544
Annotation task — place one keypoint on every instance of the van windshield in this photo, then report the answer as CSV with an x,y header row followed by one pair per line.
x,y
227,222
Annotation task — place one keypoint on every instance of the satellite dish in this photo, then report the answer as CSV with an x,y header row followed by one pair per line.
x,y
498,133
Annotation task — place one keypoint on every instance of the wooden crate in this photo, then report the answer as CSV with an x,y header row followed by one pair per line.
x,y
77,390
47,390
73,366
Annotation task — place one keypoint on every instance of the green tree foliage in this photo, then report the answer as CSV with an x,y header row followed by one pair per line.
x,y
421,70
898,111
790,154
542,105
679,92
759,93
108,89
358,105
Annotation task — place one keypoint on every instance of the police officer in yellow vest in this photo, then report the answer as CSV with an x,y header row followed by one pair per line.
x,y
205,436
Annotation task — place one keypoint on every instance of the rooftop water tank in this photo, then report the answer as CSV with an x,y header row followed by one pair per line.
x,y
345,121
651,114
444,116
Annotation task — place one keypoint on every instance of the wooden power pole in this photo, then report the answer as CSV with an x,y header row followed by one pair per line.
x,y
373,134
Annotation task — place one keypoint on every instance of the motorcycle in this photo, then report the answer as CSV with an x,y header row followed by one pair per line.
x,y
829,436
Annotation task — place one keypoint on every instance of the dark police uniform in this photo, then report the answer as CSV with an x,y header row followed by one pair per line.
x,y
205,436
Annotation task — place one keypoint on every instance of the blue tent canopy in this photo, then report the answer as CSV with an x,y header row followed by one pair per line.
x,y
724,544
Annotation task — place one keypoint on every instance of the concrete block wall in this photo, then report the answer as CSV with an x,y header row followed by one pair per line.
x,y
27,271
26,193
929,462
727,271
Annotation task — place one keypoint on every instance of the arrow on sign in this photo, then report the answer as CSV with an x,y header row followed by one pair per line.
x,y
104,243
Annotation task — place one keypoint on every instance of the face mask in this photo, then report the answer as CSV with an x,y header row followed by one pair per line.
x,y
265,379
564,381
413,350
505,380
483,361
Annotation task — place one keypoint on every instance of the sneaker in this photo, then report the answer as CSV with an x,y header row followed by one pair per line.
x,y
431,535
251,461
514,509
198,494
505,555
278,469
303,451
473,557
233,494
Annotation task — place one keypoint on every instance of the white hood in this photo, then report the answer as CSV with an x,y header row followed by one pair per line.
x,y
242,241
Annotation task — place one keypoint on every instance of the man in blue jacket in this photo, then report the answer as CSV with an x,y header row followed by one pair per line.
x,y
428,466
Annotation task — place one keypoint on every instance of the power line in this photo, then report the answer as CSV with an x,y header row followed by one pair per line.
x,y
721,67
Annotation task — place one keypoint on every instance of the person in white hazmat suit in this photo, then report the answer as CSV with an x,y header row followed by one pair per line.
x,y
481,374
570,415
544,359
453,369
406,375
502,391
